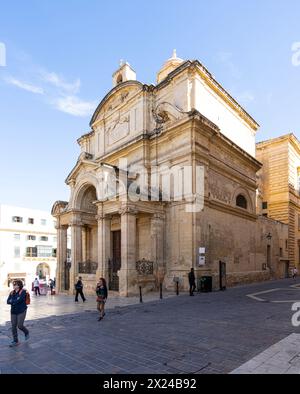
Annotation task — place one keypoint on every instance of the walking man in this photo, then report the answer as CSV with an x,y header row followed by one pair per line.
x,y
78,288
36,286
17,300
295,272
192,282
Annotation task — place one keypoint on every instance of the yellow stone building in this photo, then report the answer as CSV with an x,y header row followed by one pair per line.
x,y
166,181
279,187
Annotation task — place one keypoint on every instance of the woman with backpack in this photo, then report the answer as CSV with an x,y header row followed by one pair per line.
x,y
18,299
101,291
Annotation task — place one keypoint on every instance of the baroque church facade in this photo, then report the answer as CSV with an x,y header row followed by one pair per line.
x,y
166,180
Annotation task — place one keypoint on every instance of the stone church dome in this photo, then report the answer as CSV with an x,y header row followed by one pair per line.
x,y
169,66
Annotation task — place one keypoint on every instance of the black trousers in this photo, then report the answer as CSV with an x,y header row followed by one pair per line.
x,y
81,295
192,288
37,290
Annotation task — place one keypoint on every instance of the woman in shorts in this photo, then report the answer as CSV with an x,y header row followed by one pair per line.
x,y
101,291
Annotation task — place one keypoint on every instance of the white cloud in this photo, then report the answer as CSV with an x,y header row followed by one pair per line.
x,y
74,106
246,97
59,82
225,58
25,86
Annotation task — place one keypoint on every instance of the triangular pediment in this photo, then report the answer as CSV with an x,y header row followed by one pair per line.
x,y
84,163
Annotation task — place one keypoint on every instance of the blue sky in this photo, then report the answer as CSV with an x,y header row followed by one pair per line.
x,y
60,56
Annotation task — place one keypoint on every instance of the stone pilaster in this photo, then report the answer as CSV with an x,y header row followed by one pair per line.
x,y
61,256
128,274
76,251
104,243
84,243
157,245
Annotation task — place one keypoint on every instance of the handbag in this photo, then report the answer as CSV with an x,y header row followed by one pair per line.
x,y
100,299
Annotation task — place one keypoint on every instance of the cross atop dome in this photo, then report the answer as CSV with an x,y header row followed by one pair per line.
x,y
170,65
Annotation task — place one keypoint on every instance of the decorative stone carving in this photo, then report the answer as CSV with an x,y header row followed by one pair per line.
x,y
144,267
85,156
119,129
166,111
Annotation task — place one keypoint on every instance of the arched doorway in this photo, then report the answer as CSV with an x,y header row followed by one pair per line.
x,y
42,271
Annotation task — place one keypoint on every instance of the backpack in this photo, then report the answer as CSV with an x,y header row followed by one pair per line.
x,y
27,298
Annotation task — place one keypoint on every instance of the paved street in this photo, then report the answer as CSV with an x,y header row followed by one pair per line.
x,y
209,333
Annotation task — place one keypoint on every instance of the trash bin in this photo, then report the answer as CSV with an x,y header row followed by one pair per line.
x,y
206,284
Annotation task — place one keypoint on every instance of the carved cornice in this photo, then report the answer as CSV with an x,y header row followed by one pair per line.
x,y
103,216
128,210
76,222
62,227
85,136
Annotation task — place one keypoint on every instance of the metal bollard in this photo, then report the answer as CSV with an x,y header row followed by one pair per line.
x,y
160,291
177,288
141,298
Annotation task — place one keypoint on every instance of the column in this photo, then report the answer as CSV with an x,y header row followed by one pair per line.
x,y
84,244
104,243
128,274
61,256
76,251
157,245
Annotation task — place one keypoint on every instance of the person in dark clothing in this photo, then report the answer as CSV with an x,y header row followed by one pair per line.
x,y
36,286
192,282
79,290
17,300
51,285
101,291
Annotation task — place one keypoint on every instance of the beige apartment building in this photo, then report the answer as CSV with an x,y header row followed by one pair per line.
x,y
279,187
166,181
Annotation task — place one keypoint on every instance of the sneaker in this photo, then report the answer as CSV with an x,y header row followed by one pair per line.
x,y
13,344
100,318
27,337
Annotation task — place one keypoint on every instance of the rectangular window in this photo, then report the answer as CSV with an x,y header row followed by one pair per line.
x,y
43,222
44,251
286,244
17,251
31,237
31,252
280,252
44,239
17,237
17,219
53,252
265,205
30,221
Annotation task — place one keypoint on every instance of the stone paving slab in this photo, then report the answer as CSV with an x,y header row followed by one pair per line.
x,y
209,333
281,358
